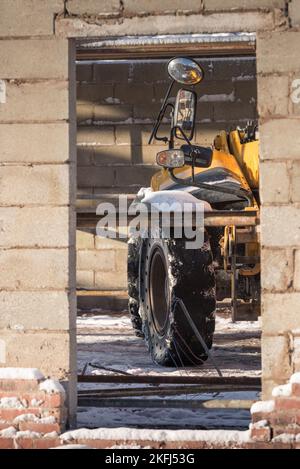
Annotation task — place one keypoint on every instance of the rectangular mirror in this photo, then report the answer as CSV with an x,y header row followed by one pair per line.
x,y
185,113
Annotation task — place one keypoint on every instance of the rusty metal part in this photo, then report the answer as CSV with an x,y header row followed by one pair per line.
x,y
160,46
167,379
233,236
232,258
227,245
250,237
209,404
247,265
164,52
248,234
246,260
247,311
164,390
211,218
247,271
106,368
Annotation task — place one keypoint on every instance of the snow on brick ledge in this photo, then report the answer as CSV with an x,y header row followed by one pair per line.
x,y
21,373
282,390
51,386
215,437
281,416
31,403
11,403
262,407
295,378
78,447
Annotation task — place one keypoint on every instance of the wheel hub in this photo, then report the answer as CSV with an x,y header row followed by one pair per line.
x,y
159,290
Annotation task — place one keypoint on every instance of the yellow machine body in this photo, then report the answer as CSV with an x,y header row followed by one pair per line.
x,y
239,158
242,160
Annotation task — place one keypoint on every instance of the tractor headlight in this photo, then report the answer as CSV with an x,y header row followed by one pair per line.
x,y
170,158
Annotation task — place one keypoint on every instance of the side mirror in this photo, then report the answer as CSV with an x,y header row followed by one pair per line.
x,y
184,114
185,71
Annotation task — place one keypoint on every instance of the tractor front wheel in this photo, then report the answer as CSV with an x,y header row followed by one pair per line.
x,y
168,272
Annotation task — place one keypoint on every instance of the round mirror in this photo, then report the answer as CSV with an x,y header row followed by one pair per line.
x,y
185,71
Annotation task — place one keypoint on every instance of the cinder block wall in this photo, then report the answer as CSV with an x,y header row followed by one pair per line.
x,y
117,103
279,108
35,54
37,193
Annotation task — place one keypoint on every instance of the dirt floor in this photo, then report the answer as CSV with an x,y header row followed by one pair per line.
x,y
107,340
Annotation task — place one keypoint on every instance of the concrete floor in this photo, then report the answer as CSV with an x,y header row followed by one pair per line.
x,y
106,339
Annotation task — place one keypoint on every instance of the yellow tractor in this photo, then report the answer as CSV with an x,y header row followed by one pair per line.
x,y
164,275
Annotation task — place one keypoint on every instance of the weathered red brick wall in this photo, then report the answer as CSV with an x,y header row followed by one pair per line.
x,y
31,408
31,31
278,420
33,415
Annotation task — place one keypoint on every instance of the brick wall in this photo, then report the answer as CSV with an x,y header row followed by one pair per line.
x,y
37,195
278,419
117,103
34,54
135,17
279,111
31,408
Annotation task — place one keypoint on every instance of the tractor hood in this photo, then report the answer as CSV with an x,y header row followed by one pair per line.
x,y
220,177
165,200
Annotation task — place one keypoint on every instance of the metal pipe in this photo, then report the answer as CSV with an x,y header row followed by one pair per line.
x,y
219,218
209,404
165,391
167,379
160,46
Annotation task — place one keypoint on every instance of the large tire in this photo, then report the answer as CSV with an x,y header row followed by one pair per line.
x,y
169,271
134,246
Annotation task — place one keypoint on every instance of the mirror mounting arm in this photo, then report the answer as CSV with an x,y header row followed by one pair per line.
x,y
171,146
161,112
163,139
173,133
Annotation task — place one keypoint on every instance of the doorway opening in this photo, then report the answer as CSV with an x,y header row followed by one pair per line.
x,y
120,87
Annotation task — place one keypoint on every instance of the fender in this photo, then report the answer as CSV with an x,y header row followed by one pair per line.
x,y
161,200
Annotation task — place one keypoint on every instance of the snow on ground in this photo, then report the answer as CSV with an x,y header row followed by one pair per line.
x,y
93,417
108,340
103,321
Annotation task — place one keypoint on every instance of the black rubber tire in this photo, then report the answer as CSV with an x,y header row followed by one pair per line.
x,y
188,275
134,246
